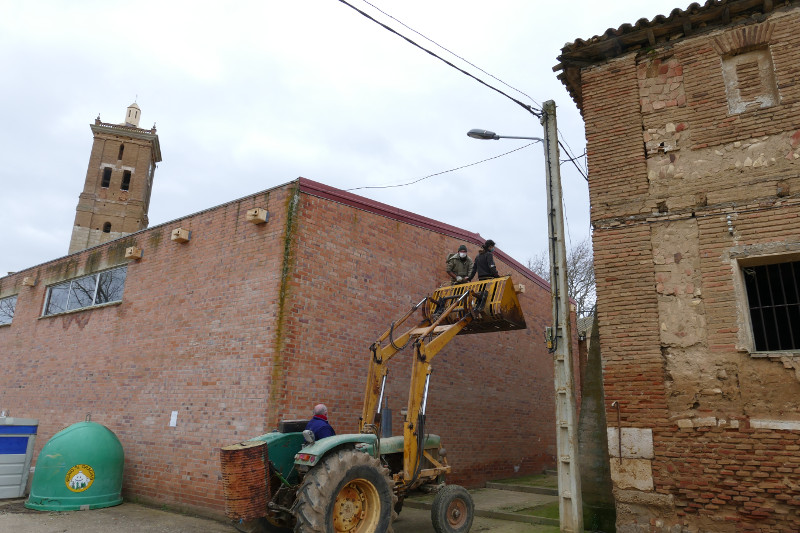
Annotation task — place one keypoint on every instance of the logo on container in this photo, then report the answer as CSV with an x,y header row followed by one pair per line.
x,y
79,478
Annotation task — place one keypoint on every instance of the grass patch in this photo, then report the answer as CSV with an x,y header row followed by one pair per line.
x,y
538,480
543,511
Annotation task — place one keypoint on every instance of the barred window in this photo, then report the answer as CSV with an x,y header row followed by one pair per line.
x,y
88,291
773,295
7,307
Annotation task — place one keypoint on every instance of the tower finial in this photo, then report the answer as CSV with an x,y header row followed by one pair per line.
x,y
132,115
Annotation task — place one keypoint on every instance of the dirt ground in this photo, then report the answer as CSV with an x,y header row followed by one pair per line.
x,y
134,518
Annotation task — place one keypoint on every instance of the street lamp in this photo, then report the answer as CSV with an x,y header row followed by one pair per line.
x,y
487,135
559,336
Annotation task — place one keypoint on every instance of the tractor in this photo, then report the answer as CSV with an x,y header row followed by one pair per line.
x,y
356,483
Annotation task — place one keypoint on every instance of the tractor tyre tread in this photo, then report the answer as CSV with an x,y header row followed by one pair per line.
x,y
442,501
321,485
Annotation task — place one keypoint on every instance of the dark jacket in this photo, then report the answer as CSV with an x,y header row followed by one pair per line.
x,y
320,427
484,267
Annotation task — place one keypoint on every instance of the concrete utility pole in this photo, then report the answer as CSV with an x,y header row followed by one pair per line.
x,y
559,338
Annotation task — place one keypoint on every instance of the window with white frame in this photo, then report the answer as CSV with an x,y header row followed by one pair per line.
x,y
95,289
773,297
7,307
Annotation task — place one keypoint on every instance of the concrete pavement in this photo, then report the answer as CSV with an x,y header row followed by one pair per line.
x,y
496,510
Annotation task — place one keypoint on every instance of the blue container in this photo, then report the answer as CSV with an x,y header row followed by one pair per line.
x,y
17,436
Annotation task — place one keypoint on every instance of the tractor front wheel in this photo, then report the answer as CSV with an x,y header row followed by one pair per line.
x,y
348,492
452,510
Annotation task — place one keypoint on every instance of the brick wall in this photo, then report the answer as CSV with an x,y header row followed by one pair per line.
x,y
246,325
356,272
693,173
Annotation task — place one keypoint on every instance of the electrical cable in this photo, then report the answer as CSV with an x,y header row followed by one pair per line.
x,y
535,111
528,108
575,158
565,145
572,160
442,172
453,53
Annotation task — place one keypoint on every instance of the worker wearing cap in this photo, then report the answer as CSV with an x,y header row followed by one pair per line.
x,y
484,263
459,266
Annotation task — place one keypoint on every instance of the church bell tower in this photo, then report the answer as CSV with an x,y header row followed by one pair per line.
x,y
116,193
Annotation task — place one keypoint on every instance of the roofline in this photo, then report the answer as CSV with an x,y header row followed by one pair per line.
x,y
644,34
327,192
320,190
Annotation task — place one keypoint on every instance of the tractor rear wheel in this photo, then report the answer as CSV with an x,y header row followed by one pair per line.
x,y
452,510
348,492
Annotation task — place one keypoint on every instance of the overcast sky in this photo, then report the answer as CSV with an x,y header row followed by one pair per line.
x,y
250,95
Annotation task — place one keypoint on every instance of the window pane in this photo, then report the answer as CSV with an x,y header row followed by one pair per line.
x,y
111,285
7,307
57,301
82,292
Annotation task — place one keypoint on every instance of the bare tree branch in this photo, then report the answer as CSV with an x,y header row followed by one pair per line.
x,y
580,274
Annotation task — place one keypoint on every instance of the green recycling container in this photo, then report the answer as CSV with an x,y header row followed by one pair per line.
x,y
79,468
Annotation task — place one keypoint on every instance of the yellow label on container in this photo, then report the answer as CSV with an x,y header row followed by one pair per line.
x,y
79,478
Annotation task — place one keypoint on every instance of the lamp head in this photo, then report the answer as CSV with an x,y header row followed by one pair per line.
x,y
482,134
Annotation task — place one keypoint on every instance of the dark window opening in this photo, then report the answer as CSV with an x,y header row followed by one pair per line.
x,y
106,177
121,149
773,294
126,180
107,227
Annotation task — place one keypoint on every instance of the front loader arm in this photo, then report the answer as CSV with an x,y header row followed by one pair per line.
x,y
476,307
378,368
424,352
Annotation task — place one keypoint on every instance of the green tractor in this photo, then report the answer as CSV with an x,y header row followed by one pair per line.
x,y
285,480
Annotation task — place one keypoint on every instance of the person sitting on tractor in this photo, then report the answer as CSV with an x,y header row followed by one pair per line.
x,y
484,263
319,423
459,265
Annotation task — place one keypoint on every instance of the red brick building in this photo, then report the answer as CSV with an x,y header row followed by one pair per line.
x,y
694,163
247,324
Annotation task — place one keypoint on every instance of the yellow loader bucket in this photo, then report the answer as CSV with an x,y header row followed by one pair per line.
x,y
501,310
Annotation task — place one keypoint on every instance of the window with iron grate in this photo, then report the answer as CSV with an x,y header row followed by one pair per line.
x,y
773,296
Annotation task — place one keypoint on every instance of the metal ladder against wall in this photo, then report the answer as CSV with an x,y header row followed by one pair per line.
x,y
569,483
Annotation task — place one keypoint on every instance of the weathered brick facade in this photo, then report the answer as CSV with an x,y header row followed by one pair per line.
x,y
244,325
692,138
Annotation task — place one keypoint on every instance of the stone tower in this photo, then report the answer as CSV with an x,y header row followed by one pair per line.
x,y
116,193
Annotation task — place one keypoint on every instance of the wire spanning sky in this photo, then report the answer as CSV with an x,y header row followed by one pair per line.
x,y
248,95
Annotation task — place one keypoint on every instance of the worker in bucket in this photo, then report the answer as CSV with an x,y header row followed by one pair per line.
x,y
484,263
319,423
459,265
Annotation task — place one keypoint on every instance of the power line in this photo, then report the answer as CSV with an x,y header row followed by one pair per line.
x,y
567,160
572,160
566,147
528,108
536,112
453,53
440,173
